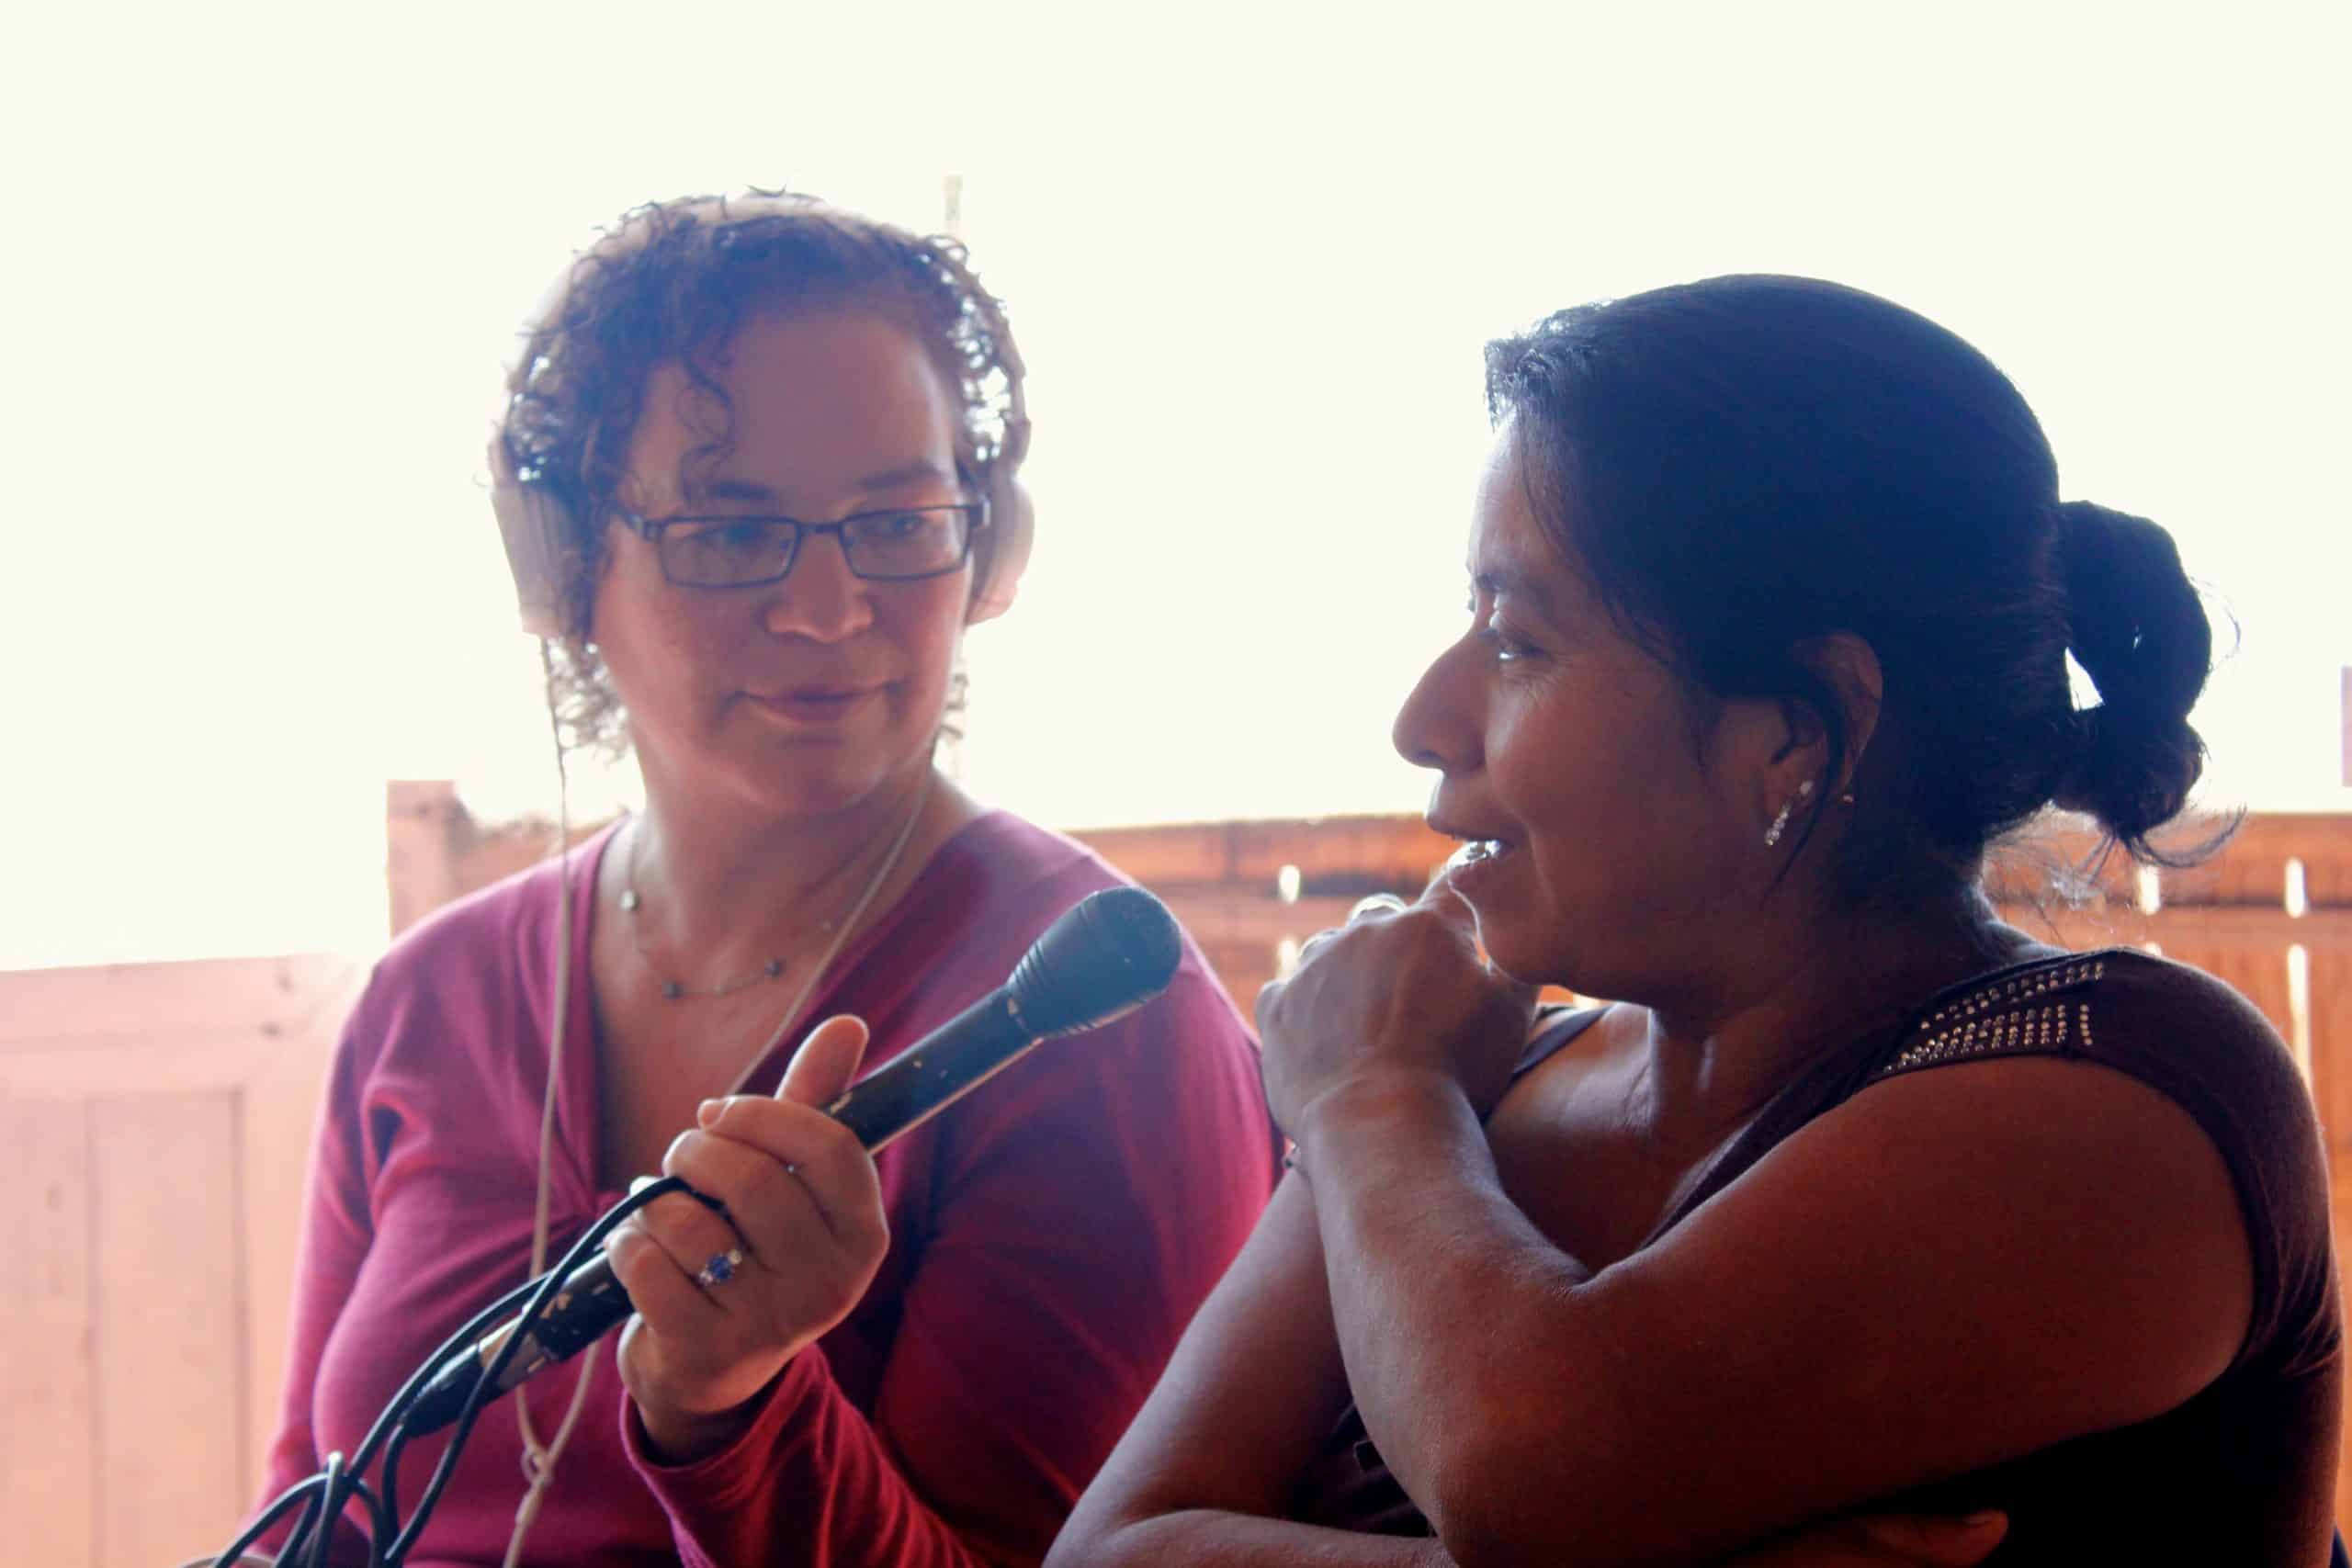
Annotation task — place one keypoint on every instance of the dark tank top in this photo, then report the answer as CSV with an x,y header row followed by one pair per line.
x,y
2244,1472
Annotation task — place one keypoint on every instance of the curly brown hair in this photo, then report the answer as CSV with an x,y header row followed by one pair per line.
x,y
671,283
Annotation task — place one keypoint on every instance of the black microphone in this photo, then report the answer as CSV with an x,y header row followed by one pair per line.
x,y
1108,955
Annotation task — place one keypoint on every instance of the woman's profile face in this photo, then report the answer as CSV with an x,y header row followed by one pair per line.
x,y
1572,754
804,696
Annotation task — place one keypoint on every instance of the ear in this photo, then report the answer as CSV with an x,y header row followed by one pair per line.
x,y
1852,686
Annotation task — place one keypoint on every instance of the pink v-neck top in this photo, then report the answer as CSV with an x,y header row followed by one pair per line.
x,y
1050,1234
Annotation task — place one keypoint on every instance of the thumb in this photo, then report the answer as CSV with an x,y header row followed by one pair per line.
x,y
1443,900
825,1062
1937,1539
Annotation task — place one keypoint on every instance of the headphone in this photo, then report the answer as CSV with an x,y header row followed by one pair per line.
x,y
534,523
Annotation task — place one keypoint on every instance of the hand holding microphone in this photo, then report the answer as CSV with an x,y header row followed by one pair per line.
x,y
791,1211
725,1296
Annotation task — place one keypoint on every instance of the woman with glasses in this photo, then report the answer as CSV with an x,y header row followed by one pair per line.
x,y
1855,1197
756,474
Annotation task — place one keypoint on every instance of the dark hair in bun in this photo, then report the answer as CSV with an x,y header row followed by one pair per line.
x,y
2135,627
1744,465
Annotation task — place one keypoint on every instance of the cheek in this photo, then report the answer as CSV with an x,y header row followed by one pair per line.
x,y
927,630
930,623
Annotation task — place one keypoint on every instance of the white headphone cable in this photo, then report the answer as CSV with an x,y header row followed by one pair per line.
x,y
540,1458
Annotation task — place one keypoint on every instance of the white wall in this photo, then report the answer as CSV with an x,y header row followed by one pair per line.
x,y
268,258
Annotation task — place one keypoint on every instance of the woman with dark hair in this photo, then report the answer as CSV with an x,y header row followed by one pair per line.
x,y
1858,1198
756,478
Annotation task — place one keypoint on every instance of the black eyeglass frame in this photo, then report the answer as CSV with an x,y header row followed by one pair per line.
x,y
976,518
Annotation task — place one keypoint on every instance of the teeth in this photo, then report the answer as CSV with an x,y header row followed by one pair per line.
x,y
1475,851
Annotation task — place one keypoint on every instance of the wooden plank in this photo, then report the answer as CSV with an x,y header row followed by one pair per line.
x,y
189,1063
2327,863
2331,1026
1342,854
277,1112
46,1385
423,826
2340,1183
168,1326
1179,854
148,1001
1222,917
2252,868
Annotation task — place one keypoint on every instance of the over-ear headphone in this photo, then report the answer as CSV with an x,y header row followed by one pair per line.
x,y
533,523
1013,517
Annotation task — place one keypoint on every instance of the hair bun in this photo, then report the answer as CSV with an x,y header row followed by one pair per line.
x,y
2135,627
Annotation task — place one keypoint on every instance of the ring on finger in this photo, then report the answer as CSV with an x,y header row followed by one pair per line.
x,y
1386,903
720,1269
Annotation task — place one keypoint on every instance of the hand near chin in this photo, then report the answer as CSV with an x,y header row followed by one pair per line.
x,y
725,1299
1394,995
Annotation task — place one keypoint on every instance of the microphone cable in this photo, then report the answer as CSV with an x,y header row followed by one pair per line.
x,y
323,1497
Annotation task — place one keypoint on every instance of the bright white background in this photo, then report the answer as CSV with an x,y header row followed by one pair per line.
x,y
265,261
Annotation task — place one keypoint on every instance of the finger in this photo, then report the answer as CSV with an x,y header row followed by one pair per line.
x,y
771,1207
661,1291
689,1233
1938,1539
822,1155
1270,995
1443,900
826,1064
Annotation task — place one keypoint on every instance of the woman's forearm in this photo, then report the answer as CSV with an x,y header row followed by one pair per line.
x,y
1434,1275
1210,1538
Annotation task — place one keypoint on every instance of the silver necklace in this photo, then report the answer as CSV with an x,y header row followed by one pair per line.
x,y
678,991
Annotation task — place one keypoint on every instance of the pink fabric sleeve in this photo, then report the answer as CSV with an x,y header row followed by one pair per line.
x,y
1081,1214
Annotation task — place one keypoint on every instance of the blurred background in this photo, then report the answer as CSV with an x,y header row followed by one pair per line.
x,y
267,261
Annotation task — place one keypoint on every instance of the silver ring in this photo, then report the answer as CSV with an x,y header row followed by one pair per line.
x,y
720,1269
1388,903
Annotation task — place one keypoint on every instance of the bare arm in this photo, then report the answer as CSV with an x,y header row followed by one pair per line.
x,y
2031,1249
1202,1478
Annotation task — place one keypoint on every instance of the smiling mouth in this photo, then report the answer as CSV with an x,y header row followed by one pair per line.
x,y
812,701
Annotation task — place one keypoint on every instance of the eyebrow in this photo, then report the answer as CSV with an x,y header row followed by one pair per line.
x,y
724,489
1507,579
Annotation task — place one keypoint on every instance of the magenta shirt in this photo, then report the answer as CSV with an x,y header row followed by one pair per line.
x,y
1050,1235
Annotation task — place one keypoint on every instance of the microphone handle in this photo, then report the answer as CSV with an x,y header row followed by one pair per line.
x,y
938,1070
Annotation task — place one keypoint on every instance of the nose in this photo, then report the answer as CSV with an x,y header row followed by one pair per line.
x,y
820,598
1443,722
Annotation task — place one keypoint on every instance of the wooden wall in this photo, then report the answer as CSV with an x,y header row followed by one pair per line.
x,y
157,1117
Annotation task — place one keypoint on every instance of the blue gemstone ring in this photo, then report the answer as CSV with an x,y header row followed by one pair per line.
x,y
720,1269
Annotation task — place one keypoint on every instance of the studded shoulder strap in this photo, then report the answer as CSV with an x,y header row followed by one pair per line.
x,y
2039,1010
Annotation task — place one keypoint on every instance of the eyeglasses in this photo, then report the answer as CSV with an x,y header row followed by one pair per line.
x,y
896,544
